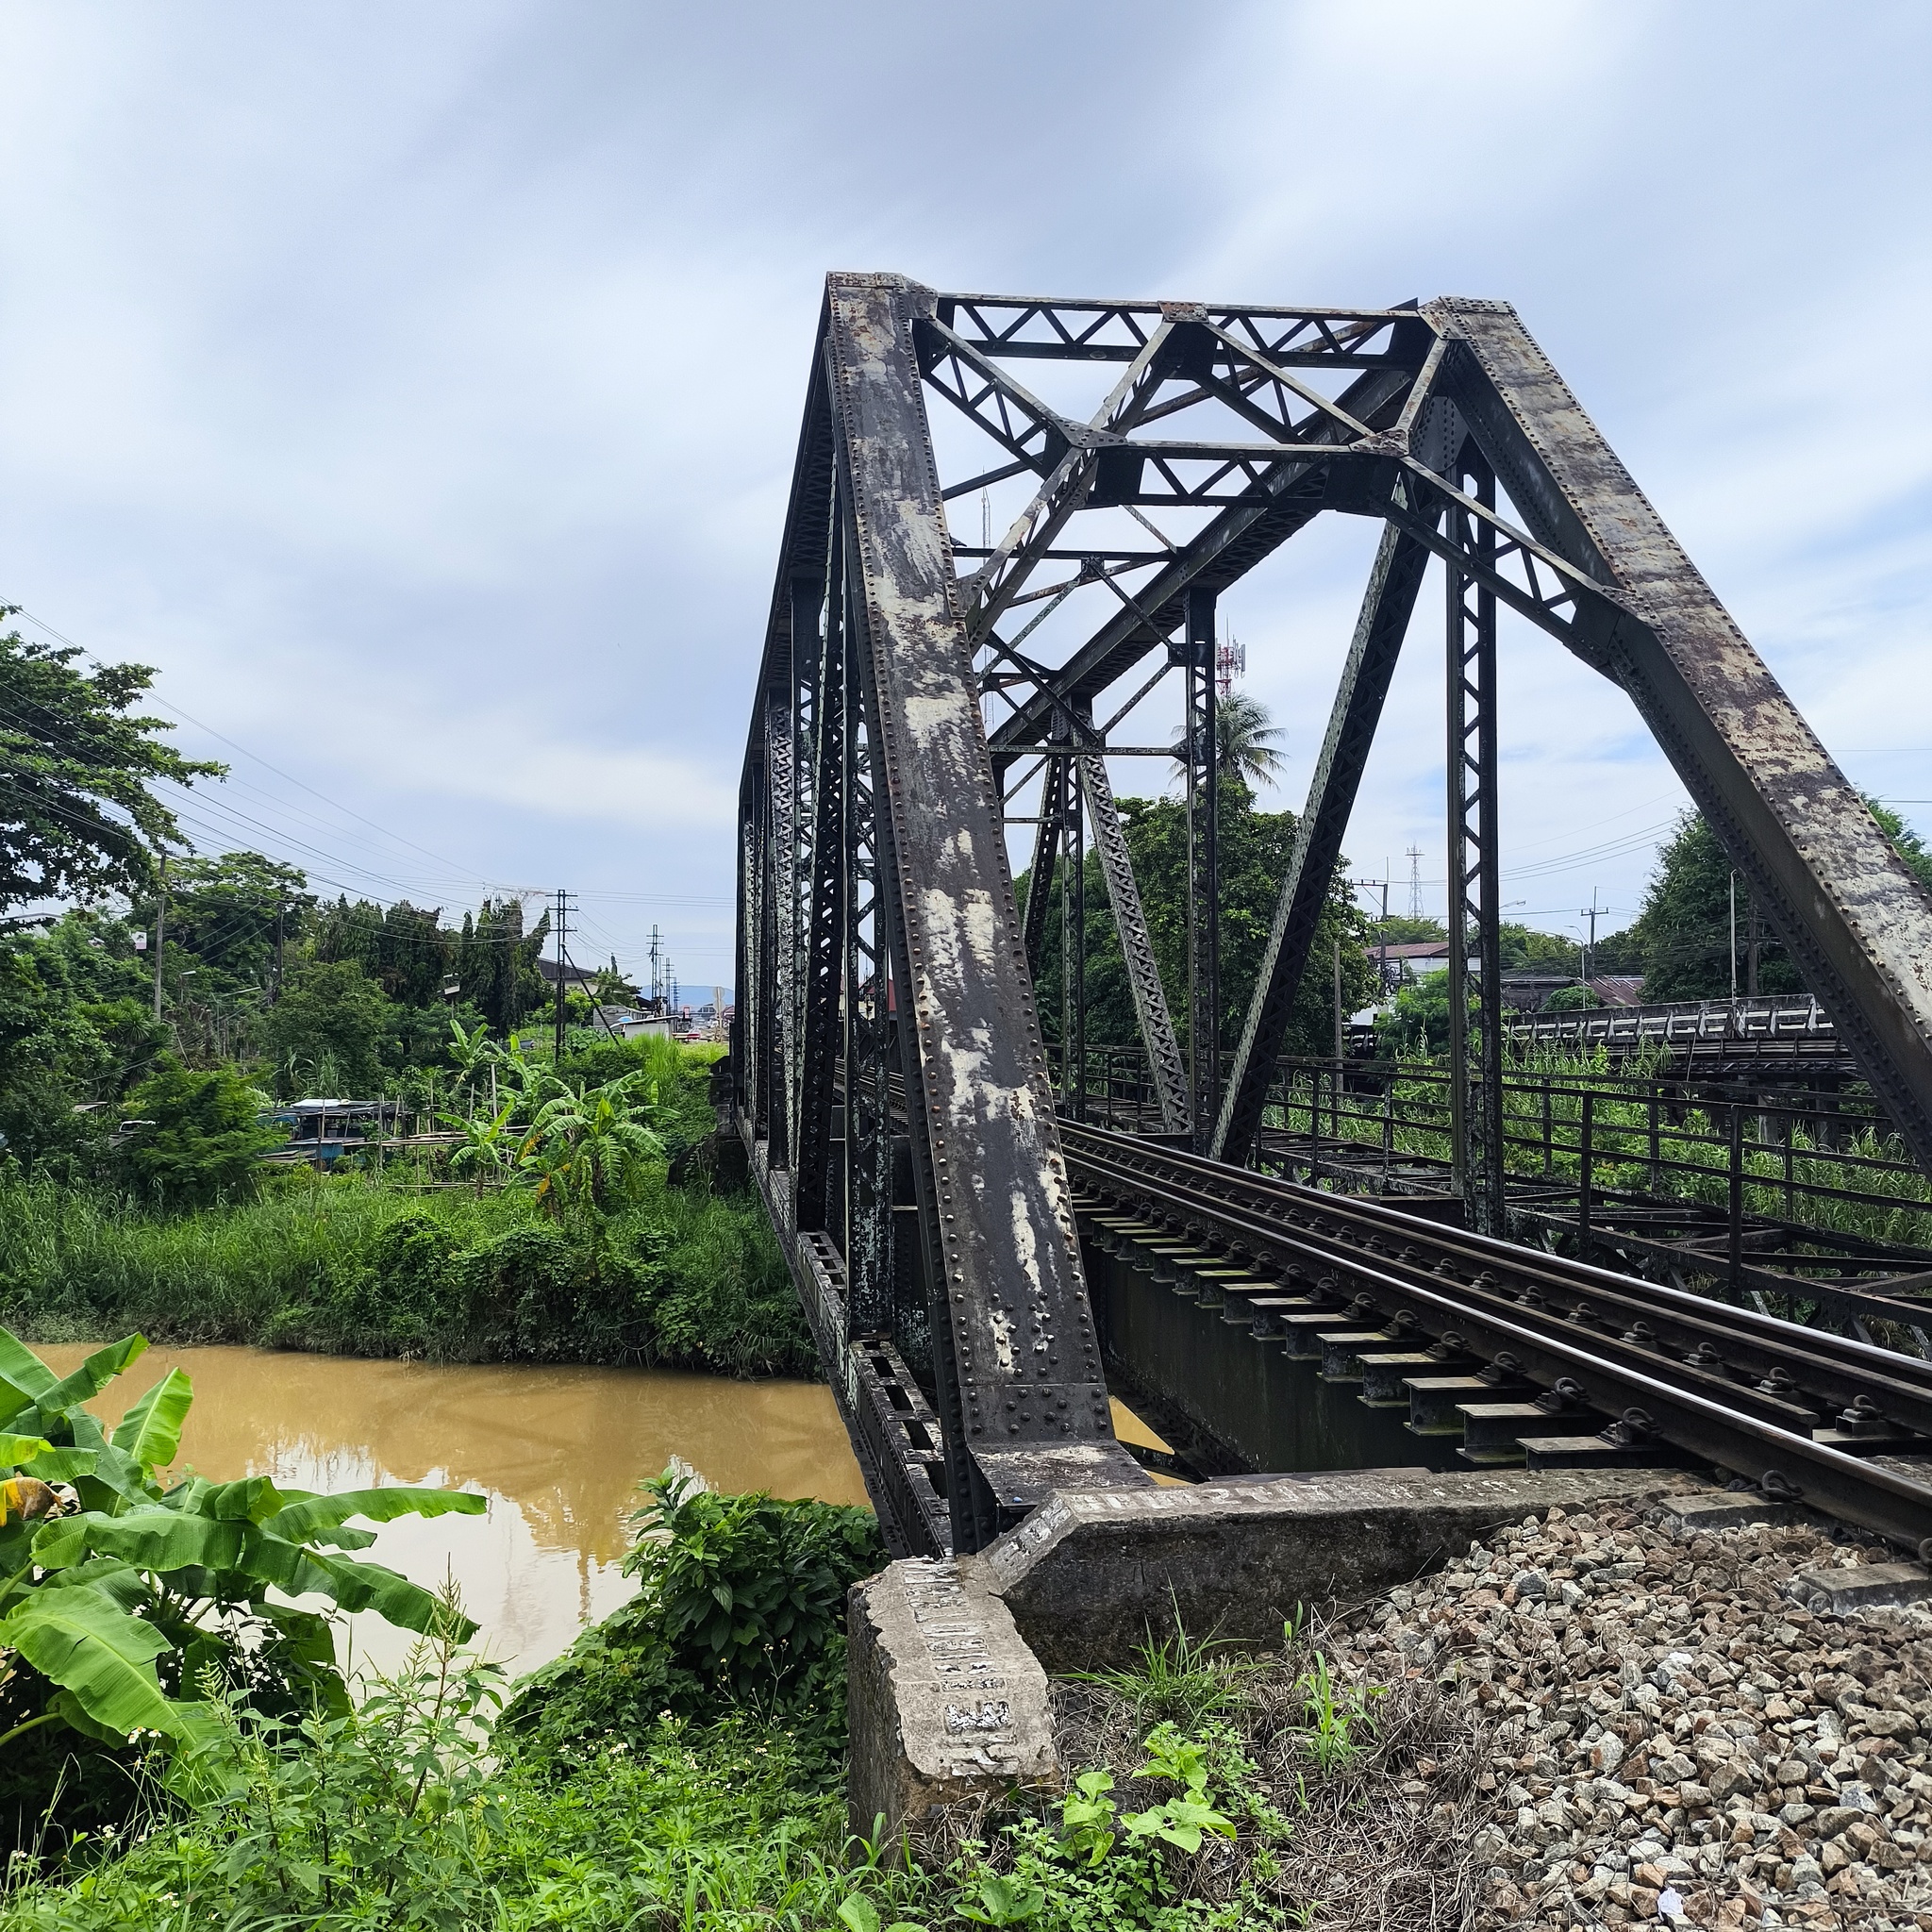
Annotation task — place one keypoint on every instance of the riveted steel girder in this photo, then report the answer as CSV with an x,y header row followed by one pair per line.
x,y
1858,923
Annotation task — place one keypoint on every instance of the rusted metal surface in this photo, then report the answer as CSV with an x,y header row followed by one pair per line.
x,y
1394,584
1856,920
1164,1060
999,1224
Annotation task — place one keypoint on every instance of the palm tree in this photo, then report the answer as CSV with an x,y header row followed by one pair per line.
x,y
1243,727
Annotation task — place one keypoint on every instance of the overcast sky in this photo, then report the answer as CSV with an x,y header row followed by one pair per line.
x,y
416,384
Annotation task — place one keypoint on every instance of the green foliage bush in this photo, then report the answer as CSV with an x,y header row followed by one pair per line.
x,y
347,1265
195,1139
743,1606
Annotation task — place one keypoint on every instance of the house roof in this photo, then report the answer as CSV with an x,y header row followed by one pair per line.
x,y
1419,949
1619,989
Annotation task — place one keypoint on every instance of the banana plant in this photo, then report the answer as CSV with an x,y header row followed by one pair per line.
x,y
472,1051
581,1145
487,1143
121,1590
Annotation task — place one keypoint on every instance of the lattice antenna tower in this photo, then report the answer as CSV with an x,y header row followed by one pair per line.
x,y
1230,662
1415,882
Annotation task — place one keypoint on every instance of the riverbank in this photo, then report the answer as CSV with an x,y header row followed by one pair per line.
x,y
1586,1721
346,1264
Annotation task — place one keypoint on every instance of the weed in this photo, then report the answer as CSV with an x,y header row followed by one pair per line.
x,y
1335,1715
1179,1679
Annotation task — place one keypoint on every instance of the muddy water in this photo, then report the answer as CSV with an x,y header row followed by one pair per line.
x,y
558,1451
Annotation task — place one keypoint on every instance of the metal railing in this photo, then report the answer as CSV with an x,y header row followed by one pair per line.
x,y
1826,1163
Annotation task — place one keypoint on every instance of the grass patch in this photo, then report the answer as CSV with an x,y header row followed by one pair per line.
x,y
349,1265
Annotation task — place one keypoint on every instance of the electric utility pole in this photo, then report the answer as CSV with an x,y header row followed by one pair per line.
x,y
1590,912
160,934
562,930
281,907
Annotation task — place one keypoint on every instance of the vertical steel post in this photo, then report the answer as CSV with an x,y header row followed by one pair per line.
x,y
1736,1256
869,1244
1204,881
1476,1040
1073,942
1584,1154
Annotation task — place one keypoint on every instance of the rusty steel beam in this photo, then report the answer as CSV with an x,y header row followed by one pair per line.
x,y
1002,1254
1856,920
1394,584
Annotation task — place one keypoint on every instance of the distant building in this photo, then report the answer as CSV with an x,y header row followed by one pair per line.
x,y
1414,961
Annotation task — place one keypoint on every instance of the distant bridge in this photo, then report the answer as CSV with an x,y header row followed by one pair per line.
x,y
969,603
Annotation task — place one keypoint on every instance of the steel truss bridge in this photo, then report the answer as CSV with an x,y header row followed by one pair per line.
x,y
1010,517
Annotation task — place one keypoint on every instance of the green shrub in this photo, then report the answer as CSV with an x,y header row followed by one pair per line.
x,y
349,1265
196,1138
743,1606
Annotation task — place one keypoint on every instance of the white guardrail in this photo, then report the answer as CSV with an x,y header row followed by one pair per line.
x,y
1687,1023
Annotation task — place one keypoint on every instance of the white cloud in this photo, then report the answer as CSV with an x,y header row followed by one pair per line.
x,y
418,387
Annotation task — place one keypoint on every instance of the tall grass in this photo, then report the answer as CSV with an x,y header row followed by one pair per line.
x,y
348,1264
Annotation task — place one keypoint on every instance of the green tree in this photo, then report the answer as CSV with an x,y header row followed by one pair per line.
x,y
1681,939
75,1034
1523,945
1400,929
497,961
224,913
405,949
196,1138
1254,854
77,819
330,1013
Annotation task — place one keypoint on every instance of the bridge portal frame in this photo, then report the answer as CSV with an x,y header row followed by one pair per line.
x,y
932,1233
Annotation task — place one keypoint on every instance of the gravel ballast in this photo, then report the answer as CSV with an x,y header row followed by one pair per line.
x,y
1671,1734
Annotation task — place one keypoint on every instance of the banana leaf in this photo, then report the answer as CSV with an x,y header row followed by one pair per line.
x,y
314,1518
92,1375
14,1450
353,1586
155,1539
23,1373
150,1432
94,1649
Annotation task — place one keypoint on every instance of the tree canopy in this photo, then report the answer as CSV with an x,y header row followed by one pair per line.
x,y
1254,854
1681,939
77,817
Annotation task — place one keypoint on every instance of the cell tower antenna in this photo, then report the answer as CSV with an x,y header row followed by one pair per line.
x,y
1415,882
1230,662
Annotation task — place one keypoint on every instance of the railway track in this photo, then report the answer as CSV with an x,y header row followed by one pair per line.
x,y
1535,1357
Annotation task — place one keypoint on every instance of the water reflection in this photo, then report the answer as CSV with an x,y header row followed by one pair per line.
x,y
558,1451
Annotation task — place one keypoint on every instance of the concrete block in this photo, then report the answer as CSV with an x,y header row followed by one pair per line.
x,y
1723,1510
944,1698
1869,1587
1090,1574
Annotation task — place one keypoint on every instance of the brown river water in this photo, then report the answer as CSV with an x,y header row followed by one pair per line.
x,y
558,1451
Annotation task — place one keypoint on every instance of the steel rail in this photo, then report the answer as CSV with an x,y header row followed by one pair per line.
x,y
1711,1421
1818,1349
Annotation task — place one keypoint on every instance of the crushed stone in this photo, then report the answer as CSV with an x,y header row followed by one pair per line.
x,y
1672,1737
